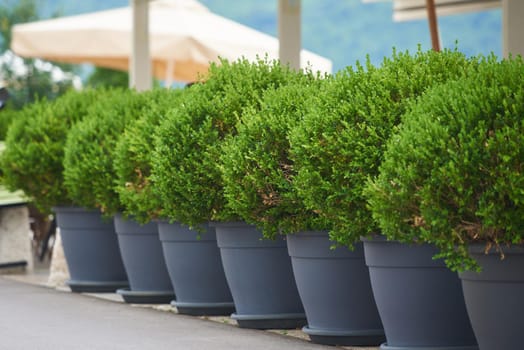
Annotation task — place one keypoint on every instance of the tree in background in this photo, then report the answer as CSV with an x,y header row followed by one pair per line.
x,y
11,13
104,77
26,79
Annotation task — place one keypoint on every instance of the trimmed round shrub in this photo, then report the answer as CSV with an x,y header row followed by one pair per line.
x,y
7,115
89,175
187,147
35,144
453,174
340,143
132,157
257,172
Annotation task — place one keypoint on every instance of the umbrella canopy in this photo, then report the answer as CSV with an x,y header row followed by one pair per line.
x,y
184,37
407,10
512,14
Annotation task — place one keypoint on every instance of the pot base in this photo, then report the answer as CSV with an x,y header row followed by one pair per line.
x,y
271,321
146,297
464,347
372,337
204,309
96,287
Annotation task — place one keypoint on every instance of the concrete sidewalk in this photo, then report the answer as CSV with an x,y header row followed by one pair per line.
x,y
40,318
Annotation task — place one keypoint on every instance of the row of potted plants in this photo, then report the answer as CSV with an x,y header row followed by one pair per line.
x,y
292,173
370,187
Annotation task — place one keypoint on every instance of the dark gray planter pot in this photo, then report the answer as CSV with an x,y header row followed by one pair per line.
x,y
195,268
419,300
91,251
335,290
494,297
144,263
260,277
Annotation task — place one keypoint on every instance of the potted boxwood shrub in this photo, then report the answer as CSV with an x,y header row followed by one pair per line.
x,y
452,177
89,177
6,117
192,258
258,176
22,163
33,162
35,142
336,148
132,156
186,171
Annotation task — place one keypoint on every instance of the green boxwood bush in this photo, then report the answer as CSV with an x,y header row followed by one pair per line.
x,y
7,115
257,172
35,144
89,175
132,157
187,146
453,174
341,141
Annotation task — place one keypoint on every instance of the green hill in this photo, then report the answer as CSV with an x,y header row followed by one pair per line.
x,y
342,30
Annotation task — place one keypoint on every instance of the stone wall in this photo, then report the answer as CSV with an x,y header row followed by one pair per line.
x,y
58,274
15,236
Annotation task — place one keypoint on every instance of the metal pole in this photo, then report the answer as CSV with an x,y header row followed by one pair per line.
x,y
140,76
170,70
512,27
289,32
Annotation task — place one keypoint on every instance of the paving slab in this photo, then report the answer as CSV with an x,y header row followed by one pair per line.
x,y
39,318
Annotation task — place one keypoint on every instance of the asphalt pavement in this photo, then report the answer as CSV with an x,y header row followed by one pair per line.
x,y
39,318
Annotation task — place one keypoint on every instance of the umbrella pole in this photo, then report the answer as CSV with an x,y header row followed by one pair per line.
x,y
433,25
170,70
140,61
289,32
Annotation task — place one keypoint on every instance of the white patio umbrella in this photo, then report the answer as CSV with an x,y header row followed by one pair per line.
x,y
512,14
184,37
406,10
